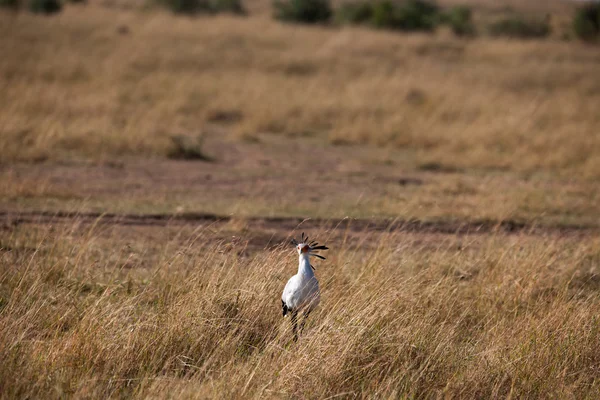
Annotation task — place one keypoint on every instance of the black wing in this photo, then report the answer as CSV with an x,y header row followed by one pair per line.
x,y
284,307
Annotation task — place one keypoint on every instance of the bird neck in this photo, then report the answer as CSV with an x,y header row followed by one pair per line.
x,y
304,267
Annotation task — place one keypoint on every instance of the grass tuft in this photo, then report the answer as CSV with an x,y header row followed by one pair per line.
x,y
186,147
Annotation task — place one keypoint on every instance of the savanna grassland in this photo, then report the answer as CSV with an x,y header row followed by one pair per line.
x,y
73,86
153,169
192,311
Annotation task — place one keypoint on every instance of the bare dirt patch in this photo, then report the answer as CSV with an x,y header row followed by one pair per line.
x,y
256,196
297,177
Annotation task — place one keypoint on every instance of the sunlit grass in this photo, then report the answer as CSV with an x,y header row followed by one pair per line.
x,y
75,87
96,312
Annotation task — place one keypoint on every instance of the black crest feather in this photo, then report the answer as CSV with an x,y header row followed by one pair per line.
x,y
314,245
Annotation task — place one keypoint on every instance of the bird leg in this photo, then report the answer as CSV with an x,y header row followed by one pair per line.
x,y
304,321
295,325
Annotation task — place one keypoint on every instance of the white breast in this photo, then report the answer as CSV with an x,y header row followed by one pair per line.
x,y
301,293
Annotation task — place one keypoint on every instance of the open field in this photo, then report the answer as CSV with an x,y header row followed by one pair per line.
x,y
154,168
73,86
295,177
192,311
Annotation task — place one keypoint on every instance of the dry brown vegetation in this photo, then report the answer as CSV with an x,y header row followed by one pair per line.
x,y
300,178
98,311
74,86
473,271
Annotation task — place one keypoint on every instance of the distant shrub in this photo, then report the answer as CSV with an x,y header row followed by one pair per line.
x,y
384,15
518,27
304,11
354,13
459,18
586,22
204,6
44,6
10,4
187,6
411,15
228,6
415,15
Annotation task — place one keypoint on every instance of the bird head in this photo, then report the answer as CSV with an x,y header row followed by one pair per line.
x,y
307,247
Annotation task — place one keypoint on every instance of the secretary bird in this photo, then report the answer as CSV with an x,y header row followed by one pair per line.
x,y
301,293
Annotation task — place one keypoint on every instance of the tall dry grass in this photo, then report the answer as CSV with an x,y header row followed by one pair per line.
x,y
94,312
80,85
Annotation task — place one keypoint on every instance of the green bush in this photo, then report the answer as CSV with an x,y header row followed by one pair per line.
x,y
304,11
11,4
586,22
411,15
518,27
418,15
228,6
384,15
188,6
45,6
459,18
204,6
354,13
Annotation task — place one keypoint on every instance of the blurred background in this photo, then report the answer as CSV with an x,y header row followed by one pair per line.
x,y
461,110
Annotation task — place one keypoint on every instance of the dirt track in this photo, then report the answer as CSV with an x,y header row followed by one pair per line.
x,y
276,182
291,223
